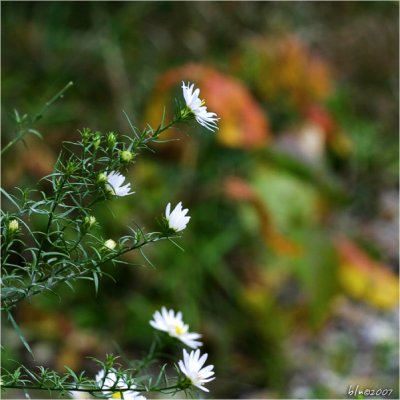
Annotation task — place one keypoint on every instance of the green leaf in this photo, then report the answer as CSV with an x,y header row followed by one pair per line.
x,y
19,333
72,373
17,117
36,133
96,282
10,198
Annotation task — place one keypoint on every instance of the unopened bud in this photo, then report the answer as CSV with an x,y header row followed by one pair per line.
x,y
86,135
111,140
110,244
89,221
13,226
126,156
101,178
70,168
96,140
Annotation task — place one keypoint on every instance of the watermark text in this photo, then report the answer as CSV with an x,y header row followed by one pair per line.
x,y
358,392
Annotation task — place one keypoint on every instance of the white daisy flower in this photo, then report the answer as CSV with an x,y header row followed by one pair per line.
x,y
198,108
177,219
112,381
168,321
192,368
114,184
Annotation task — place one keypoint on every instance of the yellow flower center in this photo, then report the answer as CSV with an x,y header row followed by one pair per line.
x,y
117,395
179,330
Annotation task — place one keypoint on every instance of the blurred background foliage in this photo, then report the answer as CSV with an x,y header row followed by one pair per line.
x,y
291,256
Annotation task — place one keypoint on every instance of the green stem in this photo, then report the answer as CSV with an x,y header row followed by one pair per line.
x,y
51,216
19,137
182,386
23,131
12,304
48,104
146,138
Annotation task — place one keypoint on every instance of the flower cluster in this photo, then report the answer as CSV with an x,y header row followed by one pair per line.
x,y
77,189
192,364
113,182
176,220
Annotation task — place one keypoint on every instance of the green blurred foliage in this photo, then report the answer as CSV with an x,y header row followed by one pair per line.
x,y
259,275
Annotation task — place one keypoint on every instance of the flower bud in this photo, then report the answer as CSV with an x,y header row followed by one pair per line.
x,y
89,221
86,135
101,178
96,140
58,182
70,168
111,140
110,244
126,156
13,226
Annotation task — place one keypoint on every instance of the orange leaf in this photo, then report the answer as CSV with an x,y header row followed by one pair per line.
x,y
242,124
284,68
366,279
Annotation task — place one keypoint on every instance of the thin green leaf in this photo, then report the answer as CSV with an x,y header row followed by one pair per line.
x,y
96,282
10,198
19,333
36,133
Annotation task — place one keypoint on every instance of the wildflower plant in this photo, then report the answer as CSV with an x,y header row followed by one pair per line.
x,y
88,172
